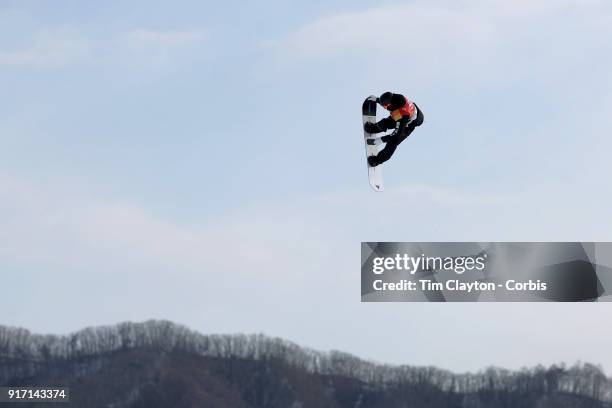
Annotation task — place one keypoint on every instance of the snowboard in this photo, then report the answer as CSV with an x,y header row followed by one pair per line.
x,y
368,112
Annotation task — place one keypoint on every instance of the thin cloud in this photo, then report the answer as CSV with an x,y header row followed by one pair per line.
x,y
143,38
150,50
402,29
57,47
62,225
52,48
468,34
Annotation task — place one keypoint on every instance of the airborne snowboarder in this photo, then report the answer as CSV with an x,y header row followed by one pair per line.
x,y
404,118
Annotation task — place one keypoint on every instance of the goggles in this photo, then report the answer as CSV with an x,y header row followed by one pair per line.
x,y
384,105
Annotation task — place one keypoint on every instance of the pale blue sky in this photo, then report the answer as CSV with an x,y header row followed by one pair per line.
x,y
203,162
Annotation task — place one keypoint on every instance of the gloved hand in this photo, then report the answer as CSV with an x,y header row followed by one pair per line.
x,y
371,127
373,161
386,138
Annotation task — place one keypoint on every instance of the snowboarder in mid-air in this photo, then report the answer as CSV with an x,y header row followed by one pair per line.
x,y
404,118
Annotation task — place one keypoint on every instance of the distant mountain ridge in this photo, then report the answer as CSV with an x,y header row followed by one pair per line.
x,y
162,364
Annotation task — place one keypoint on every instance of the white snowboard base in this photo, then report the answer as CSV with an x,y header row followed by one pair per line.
x,y
368,112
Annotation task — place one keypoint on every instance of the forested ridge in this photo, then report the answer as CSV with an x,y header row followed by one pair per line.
x,y
155,361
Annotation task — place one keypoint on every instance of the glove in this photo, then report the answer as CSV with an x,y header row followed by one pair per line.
x,y
371,127
386,138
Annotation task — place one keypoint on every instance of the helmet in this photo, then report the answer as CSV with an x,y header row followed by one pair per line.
x,y
385,99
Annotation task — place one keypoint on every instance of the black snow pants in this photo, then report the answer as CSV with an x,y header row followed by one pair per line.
x,y
386,153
